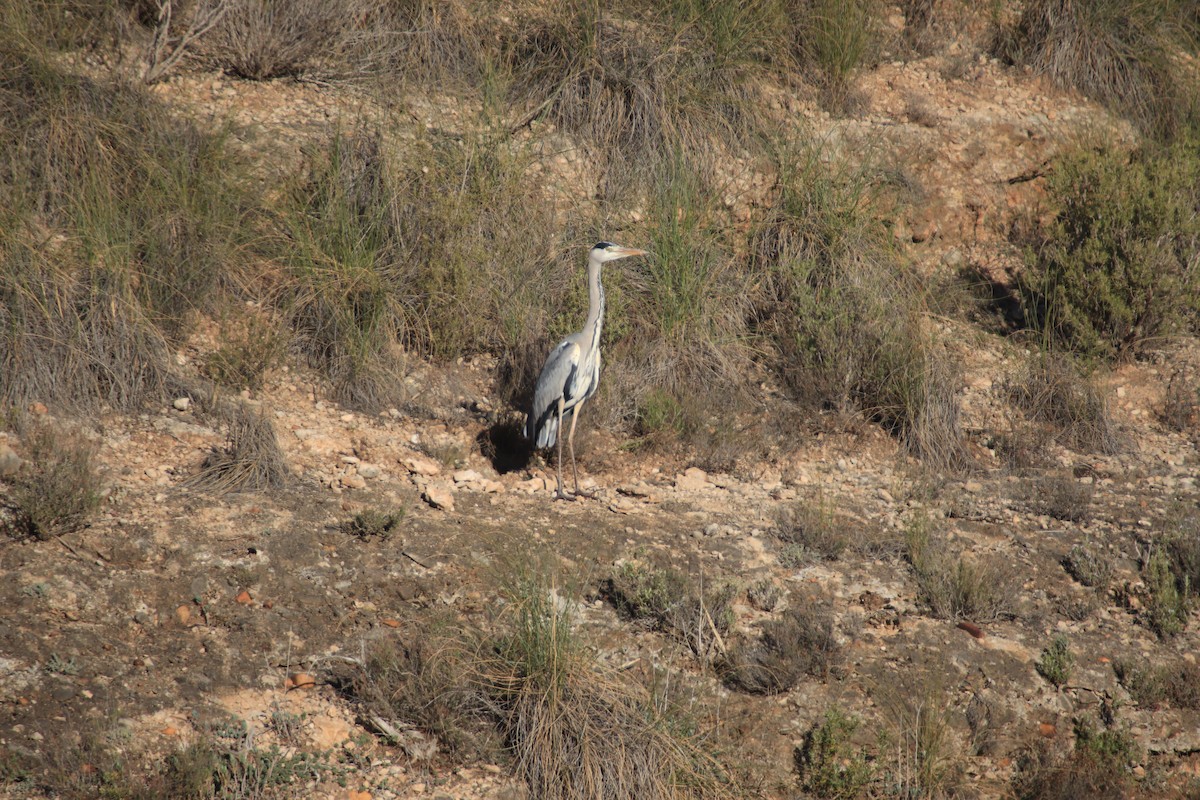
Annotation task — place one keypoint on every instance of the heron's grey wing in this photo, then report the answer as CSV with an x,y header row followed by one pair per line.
x,y
555,381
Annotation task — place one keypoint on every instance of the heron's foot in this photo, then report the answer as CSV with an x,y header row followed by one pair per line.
x,y
559,494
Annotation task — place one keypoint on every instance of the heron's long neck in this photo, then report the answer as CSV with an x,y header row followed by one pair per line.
x,y
595,317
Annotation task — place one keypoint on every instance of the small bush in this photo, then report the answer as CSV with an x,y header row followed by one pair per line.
x,y
801,642
954,587
1182,545
920,736
830,766
671,602
252,459
249,347
1181,403
373,524
1063,498
1056,662
58,489
836,37
1118,264
813,529
1096,768
264,39
1168,601
1089,564
1053,390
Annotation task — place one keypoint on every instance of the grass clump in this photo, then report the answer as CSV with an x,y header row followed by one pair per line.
x,y
251,461
919,736
836,37
678,315
1176,684
1054,391
1056,664
1062,498
800,642
264,39
1117,265
953,587
829,764
531,687
119,220
57,490
1123,53
844,314
640,83
698,615
250,345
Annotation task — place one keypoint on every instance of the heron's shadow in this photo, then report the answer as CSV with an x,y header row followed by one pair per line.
x,y
504,444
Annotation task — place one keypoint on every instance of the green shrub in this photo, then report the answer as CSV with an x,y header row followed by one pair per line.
x,y
800,642
1168,595
1118,264
1056,662
830,766
952,586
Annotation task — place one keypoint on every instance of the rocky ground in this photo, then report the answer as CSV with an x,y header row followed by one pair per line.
x,y
179,605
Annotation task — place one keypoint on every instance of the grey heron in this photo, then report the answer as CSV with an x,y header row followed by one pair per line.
x,y
572,370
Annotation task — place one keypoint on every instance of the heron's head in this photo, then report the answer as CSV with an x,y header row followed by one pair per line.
x,y
607,251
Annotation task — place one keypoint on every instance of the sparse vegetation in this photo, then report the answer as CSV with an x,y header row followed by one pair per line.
x,y
813,529
1096,768
952,586
1054,390
572,729
1061,497
58,490
921,739
1176,683
1089,564
1056,664
800,642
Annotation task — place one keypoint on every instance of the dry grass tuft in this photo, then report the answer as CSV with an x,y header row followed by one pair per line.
x,y
800,642
57,490
252,459
955,587
844,312
1052,389
1120,52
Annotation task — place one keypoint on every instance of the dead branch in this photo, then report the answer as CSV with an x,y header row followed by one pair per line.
x,y
164,52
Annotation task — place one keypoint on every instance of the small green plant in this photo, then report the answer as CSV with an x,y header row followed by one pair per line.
x,y
1089,564
1168,601
829,765
58,489
920,737
371,523
57,665
660,413
1098,766
1056,663
288,726
836,38
249,347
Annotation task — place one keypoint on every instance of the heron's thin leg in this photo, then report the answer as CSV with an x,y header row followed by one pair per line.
x,y
560,494
571,447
